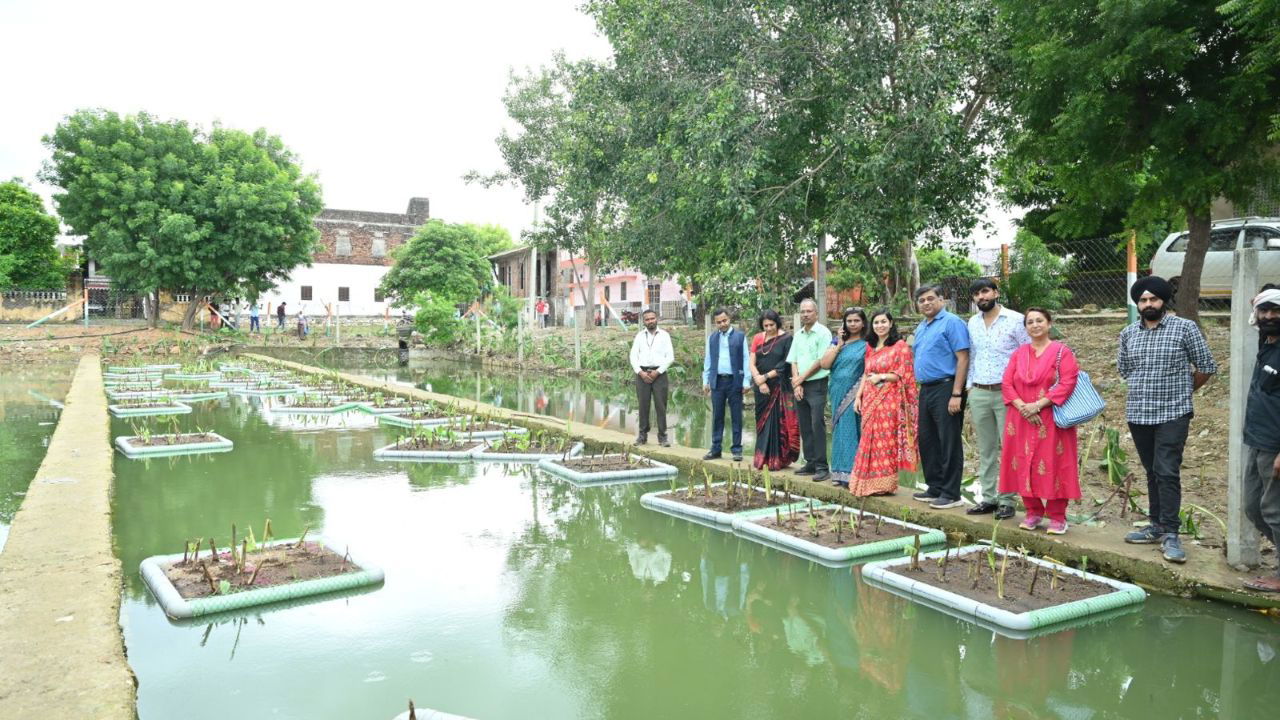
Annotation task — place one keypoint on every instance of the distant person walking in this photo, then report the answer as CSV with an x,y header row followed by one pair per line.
x,y
888,401
253,318
280,314
725,381
777,429
995,332
1164,359
303,330
809,382
651,355
1038,459
1262,431
845,360
942,366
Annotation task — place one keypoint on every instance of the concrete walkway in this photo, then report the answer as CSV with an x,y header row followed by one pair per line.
x,y
1206,572
61,647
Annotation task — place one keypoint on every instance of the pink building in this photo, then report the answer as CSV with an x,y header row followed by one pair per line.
x,y
623,289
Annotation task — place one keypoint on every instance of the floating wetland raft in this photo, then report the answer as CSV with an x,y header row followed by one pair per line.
x,y
159,445
613,467
197,582
1003,587
833,533
137,407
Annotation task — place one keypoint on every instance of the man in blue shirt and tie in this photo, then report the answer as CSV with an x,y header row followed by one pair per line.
x,y
725,379
941,351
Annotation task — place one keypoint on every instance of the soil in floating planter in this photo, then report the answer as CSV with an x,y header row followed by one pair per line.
x,y
532,444
721,499
144,404
962,573
607,463
432,442
797,525
485,427
277,565
174,440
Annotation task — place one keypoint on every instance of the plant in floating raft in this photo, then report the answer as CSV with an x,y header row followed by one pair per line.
x,y
768,486
914,552
706,483
1004,566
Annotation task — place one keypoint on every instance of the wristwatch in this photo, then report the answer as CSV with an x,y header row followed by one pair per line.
x,y
956,394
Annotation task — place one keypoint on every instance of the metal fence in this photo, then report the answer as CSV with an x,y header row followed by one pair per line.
x,y
1088,275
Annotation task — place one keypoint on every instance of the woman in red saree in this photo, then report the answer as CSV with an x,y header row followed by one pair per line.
x,y
1038,458
888,403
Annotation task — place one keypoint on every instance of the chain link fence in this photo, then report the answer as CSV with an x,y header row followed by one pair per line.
x,y
1086,275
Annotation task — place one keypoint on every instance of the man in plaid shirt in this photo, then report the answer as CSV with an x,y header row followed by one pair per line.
x,y
1157,357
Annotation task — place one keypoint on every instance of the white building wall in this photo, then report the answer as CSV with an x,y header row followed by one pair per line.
x,y
324,280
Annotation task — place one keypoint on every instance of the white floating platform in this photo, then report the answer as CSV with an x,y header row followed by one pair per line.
x,y
744,524
175,408
127,445
175,606
465,452
881,572
655,470
486,454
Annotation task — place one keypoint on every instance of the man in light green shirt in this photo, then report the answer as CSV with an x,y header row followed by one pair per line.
x,y
809,379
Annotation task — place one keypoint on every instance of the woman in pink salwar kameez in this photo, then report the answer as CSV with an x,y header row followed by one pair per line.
x,y
1038,458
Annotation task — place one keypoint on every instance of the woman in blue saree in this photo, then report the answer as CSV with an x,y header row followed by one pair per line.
x,y
845,360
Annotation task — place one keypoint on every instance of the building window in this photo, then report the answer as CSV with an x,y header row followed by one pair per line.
x,y
306,292
378,295
379,248
343,244
622,292
655,295
606,293
344,294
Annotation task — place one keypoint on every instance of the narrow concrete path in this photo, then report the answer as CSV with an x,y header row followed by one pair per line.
x,y
61,648
1206,572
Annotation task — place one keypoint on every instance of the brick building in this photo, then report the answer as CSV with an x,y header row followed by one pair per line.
x,y
354,255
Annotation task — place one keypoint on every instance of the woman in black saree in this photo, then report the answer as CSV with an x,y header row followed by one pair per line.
x,y
777,428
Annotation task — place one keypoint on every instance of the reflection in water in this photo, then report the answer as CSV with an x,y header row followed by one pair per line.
x,y
511,594
31,397
597,402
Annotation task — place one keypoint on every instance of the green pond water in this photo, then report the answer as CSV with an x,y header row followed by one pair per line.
x,y
31,397
510,594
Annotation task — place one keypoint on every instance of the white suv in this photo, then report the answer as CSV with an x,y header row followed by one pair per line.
x,y
1224,237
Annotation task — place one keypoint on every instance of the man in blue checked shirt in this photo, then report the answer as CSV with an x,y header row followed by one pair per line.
x,y
941,351
1164,359
725,379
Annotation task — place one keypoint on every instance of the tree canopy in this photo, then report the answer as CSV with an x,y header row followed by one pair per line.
x,y
28,258
444,259
725,140
1152,104
165,206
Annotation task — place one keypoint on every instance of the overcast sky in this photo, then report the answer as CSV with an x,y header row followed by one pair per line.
x,y
382,100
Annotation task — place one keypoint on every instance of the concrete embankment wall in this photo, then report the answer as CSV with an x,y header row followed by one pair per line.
x,y
61,647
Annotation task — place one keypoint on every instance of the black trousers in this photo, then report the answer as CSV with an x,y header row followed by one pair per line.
x,y
812,413
657,392
1160,449
941,449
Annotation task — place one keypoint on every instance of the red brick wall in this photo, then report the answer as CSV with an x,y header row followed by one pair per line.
x,y
361,237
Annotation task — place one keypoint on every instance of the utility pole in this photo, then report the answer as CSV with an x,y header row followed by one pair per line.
x,y
1242,539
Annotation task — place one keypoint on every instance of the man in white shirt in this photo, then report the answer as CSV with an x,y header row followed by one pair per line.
x,y
651,355
995,332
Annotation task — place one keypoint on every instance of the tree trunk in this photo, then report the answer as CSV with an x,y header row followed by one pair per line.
x,y
590,301
1188,292
820,277
189,315
155,309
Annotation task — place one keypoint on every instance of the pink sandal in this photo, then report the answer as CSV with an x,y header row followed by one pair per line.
x,y
1032,522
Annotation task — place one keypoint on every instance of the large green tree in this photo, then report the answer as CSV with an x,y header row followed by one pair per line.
x,y
28,258
1151,103
165,206
443,259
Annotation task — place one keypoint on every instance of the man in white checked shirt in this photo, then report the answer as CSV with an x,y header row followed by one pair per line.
x,y
1164,359
651,355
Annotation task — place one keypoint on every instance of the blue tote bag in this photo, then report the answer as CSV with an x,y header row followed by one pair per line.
x,y
1084,404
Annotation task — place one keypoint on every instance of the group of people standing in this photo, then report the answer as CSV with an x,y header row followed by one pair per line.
x,y
896,407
